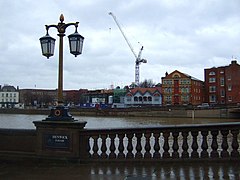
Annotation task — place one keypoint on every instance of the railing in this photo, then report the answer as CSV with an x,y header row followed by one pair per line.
x,y
213,141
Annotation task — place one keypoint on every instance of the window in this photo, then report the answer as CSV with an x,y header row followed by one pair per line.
x,y
229,87
2,95
168,90
167,81
145,98
185,90
229,98
185,98
212,88
169,98
212,80
222,81
212,73
135,99
222,93
149,98
129,98
6,94
212,98
140,98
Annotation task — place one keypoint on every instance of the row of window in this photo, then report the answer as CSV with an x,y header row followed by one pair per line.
x,y
213,88
143,98
9,95
212,73
183,98
213,99
182,90
213,80
10,100
182,81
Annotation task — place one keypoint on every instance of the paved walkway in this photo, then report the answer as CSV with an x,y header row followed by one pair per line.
x,y
120,171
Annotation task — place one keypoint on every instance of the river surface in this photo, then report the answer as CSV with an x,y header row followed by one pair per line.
x,y
20,121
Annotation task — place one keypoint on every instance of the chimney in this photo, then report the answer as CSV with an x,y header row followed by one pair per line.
x,y
166,74
234,61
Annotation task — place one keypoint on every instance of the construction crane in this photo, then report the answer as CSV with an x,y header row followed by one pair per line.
x,y
138,57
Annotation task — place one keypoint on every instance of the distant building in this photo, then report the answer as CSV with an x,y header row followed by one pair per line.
x,y
38,97
100,96
9,97
223,84
143,96
181,89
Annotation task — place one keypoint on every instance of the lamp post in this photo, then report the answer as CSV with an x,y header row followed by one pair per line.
x,y
60,112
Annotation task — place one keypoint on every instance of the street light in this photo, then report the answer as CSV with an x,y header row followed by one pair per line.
x,y
47,45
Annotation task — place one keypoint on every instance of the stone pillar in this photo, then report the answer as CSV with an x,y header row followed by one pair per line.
x,y
58,139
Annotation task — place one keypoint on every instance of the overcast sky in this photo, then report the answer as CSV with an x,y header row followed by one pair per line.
x,y
184,35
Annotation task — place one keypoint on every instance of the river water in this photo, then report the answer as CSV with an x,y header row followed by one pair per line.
x,y
20,121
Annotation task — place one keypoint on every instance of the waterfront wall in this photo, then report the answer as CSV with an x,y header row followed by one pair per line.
x,y
17,141
138,112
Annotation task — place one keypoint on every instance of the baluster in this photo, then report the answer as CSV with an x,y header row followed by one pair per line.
x,y
112,154
95,147
204,146
185,147
121,155
156,147
147,146
194,144
224,146
138,147
214,146
166,154
88,147
104,147
175,145
235,145
129,146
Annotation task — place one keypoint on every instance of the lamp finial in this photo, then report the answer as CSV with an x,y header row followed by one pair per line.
x,y
61,18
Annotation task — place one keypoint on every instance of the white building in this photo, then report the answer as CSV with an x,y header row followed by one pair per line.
x,y
143,96
9,97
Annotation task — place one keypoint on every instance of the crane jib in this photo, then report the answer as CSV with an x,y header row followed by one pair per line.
x,y
138,58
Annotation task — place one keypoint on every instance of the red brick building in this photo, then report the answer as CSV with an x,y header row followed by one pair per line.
x,y
181,89
223,84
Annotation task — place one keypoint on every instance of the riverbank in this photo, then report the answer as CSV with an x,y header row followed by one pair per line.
x,y
139,112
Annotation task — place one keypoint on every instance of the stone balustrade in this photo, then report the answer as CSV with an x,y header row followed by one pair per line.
x,y
213,141
220,141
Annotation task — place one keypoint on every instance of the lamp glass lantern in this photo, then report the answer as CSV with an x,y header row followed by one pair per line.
x,y
47,44
76,43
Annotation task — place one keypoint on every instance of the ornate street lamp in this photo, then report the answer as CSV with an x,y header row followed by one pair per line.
x,y
60,112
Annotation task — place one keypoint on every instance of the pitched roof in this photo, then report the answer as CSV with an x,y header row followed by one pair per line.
x,y
181,74
8,88
145,90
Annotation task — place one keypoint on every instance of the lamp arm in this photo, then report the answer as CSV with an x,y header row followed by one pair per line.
x,y
61,27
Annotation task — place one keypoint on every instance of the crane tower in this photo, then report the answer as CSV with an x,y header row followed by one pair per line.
x,y
138,57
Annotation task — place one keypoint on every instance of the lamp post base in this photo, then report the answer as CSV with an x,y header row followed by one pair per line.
x,y
59,113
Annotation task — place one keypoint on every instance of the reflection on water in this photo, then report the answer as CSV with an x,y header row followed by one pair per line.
x,y
124,171
21,121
